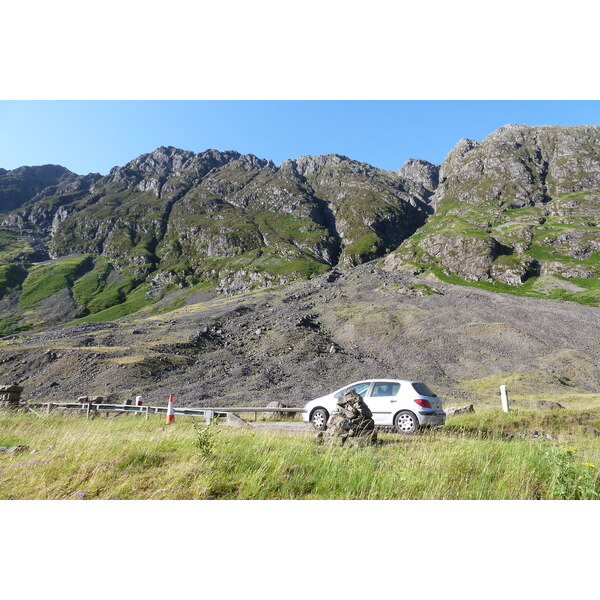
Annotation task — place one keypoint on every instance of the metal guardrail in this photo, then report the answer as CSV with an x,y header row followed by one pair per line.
x,y
206,413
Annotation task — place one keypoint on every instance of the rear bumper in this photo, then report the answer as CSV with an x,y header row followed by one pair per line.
x,y
431,417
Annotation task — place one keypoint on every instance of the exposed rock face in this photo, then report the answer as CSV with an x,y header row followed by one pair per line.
x,y
351,423
421,172
452,250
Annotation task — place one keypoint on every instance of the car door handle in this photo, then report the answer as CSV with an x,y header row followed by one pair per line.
x,y
393,401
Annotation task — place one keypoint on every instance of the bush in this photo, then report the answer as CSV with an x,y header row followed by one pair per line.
x,y
204,438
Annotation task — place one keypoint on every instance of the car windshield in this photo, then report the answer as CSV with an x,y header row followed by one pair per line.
x,y
422,389
359,388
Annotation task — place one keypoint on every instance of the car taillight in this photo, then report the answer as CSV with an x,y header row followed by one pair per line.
x,y
423,403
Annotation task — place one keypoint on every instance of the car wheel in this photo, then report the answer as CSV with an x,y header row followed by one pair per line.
x,y
406,422
319,419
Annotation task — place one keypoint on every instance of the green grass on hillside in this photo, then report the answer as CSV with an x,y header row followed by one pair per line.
x,y
11,325
10,276
45,280
88,286
134,301
113,294
365,245
473,457
590,298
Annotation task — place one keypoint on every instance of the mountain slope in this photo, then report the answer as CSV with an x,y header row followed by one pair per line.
x,y
161,276
520,209
172,219
517,212
307,338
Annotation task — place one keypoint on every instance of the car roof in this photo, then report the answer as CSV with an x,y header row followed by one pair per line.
x,y
382,379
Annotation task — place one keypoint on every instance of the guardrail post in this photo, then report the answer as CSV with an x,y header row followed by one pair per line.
x,y
87,411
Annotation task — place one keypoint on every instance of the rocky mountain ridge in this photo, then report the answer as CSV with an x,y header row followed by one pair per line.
x,y
520,208
516,212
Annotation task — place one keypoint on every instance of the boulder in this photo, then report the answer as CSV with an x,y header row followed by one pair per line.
x,y
459,410
18,449
14,388
548,405
233,420
14,449
592,431
539,436
10,396
90,399
278,415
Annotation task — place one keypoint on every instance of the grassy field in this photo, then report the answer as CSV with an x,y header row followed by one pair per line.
x,y
479,456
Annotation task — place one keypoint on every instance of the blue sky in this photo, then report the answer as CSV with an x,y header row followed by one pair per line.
x,y
93,136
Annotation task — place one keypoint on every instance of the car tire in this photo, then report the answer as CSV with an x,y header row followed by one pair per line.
x,y
319,418
406,422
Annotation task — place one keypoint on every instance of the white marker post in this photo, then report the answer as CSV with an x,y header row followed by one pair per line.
x,y
504,397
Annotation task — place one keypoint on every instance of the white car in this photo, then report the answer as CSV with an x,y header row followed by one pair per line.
x,y
405,405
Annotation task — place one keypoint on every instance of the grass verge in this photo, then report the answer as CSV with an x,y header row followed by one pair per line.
x,y
130,458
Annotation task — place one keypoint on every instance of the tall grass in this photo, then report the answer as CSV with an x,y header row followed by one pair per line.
x,y
130,458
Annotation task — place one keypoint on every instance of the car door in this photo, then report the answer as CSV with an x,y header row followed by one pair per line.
x,y
382,399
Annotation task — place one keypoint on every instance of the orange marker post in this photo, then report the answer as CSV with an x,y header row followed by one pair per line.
x,y
170,410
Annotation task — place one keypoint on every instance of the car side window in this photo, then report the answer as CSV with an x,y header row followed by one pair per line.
x,y
359,388
385,388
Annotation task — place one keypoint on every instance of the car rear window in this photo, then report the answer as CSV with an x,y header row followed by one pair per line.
x,y
422,389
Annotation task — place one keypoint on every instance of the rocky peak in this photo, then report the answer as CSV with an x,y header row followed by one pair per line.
x,y
420,171
148,170
310,165
162,161
463,146
20,185
249,162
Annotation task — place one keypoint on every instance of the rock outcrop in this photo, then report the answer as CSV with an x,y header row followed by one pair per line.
x,y
548,405
459,410
10,396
